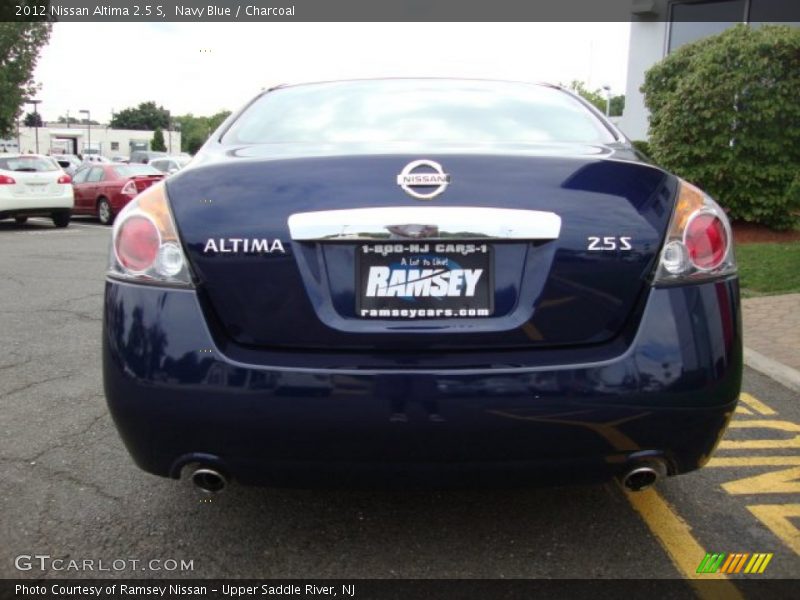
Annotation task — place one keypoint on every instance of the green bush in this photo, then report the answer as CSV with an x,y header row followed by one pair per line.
x,y
643,147
725,115
157,143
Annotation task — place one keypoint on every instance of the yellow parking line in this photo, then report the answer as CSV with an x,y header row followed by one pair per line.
x,y
776,517
767,424
753,461
756,404
783,481
675,536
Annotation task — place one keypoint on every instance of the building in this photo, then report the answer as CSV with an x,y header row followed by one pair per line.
x,y
658,27
57,138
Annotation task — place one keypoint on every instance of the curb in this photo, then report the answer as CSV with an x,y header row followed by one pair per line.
x,y
786,376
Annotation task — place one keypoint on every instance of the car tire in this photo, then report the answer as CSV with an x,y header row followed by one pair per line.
x,y
20,220
60,219
104,212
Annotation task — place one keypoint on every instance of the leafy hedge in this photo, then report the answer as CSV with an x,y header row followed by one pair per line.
x,y
642,146
725,114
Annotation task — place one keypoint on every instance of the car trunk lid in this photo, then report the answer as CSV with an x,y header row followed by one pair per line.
x,y
142,182
265,284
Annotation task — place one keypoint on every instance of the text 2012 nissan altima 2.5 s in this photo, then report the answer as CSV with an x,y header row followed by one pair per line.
x,y
402,282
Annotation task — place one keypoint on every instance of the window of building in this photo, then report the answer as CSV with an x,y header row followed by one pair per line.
x,y
115,145
772,11
691,21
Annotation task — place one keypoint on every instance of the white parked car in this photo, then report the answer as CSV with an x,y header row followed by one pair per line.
x,y
95,158
69,162
33,185
170,164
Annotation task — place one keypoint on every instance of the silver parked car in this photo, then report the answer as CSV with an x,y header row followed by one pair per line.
x,y
170,164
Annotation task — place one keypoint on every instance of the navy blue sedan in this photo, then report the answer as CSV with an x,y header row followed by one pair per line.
x,y
414,282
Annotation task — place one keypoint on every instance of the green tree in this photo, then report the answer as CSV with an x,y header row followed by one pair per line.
x,y
33,119
147,116
196,130
216,119
158,141
724,114
598,98
20,44
617,105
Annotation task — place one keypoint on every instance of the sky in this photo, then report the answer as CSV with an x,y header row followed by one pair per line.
x,y
202,68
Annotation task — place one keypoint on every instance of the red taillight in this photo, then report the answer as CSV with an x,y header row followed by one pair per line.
x,y
6,180
145,244
698,245
65,179
706,241
129,189
137,243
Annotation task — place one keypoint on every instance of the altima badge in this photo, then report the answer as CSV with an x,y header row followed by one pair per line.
x,y
434,183
243,245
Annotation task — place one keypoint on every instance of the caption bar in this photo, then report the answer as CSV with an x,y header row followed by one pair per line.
x,y
357,10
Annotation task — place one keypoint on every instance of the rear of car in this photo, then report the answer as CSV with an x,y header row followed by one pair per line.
x,y
95,159
170,165
104,190
32,185
69,163
403,281
145,156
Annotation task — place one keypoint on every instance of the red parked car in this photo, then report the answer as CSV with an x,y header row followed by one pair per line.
x,y
104,189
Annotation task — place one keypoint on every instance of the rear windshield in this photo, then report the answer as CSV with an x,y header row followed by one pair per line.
x,y
134,170
448,111
30,164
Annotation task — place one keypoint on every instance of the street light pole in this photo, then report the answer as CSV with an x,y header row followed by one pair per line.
x,y
35,120
177,126
88,126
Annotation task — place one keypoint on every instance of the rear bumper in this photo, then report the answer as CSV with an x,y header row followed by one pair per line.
x,y
11,205
177,397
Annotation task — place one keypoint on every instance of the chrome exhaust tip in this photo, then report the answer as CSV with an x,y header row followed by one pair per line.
x,y
643,476
209,480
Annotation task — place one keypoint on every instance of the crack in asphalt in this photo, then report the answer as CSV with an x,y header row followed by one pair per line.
x,y
28,386
62,442
66,439
70,477
86,297
80,315
16,280
16,364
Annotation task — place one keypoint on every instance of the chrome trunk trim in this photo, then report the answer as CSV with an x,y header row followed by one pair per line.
x,y
424,222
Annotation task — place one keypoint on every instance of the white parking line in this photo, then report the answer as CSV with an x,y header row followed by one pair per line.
x,y
48,227
46,221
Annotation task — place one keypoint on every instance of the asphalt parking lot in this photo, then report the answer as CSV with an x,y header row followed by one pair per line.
x,y
71,491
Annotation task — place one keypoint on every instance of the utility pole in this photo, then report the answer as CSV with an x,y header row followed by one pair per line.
x,y
88,127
